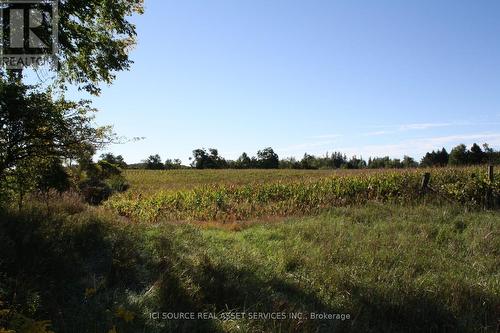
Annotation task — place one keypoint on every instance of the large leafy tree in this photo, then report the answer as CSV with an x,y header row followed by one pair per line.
x,y
94,41
95,37
244,162
208,160
153,162
459,155
34,126
267,159
435,158
476,155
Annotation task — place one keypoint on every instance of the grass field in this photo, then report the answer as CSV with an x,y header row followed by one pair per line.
x,y
366,247
390,268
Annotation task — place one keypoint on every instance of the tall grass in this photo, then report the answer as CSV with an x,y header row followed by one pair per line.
x,y
229,202
391,268
148,181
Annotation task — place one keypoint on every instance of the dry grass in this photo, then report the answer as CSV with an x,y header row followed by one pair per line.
x,y
231,195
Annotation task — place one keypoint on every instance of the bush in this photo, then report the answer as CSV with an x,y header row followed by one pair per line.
x,y
117,183
99,181
94,191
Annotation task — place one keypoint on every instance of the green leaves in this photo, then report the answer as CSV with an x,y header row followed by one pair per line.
x,y
37,130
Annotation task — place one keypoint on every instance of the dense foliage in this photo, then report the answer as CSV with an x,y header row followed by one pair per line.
x,y
268,159
38,134
95,38
34,125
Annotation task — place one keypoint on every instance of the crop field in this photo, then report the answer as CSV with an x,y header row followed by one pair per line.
x,y
154,180
382,267
368,247
367,243
240,195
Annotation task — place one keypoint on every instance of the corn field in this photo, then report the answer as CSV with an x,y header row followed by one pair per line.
x,y
303,195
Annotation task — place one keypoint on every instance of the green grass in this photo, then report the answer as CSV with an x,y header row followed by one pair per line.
x,y
392,268
365,243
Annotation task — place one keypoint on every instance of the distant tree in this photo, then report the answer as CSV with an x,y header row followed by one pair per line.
x,y
459,156
491,156
244,162
200,157
173,164
435,158
154,162
409,162
443,158
379,162
289,163
112,159
356,163
394,164
337,160
308,162
267,159
476,155
203,159
217,161
427,160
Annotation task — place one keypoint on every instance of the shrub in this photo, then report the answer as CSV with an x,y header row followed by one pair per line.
x,y
94,191
117,183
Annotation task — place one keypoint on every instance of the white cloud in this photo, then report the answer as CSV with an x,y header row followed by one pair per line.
x,y
305,146
378,133
410,127
327,136
418,147
424,126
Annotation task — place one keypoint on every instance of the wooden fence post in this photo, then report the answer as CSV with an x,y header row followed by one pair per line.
x,y
425,182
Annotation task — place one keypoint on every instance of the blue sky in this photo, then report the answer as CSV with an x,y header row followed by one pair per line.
x,y
370,78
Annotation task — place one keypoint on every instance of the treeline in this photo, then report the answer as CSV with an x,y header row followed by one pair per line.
x,y
268,159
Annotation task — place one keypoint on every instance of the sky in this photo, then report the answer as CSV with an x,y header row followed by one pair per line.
x,y
368,78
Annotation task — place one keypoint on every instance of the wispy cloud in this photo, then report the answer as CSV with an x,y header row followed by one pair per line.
x,y
327,136
408,127
415,147
421,146
424,126
393,129
376,133
319,141
304,146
